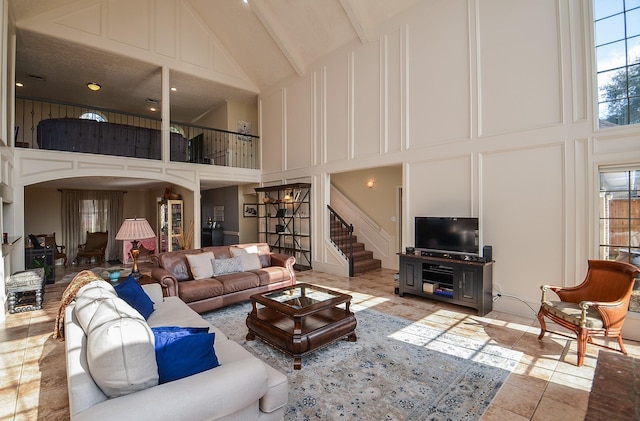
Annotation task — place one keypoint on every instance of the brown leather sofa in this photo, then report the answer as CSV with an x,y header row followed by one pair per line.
x,y
173,273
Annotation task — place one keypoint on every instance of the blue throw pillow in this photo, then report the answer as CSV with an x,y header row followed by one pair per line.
x,y
131,292
183,351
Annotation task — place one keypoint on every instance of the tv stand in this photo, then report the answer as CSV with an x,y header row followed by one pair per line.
x,y
461,282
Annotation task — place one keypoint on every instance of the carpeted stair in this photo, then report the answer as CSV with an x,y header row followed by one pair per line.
x,y
362,259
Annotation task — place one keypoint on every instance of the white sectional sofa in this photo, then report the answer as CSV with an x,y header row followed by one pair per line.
x,y
241,388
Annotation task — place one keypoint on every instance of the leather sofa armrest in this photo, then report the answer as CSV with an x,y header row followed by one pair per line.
x,y
166,280
284,261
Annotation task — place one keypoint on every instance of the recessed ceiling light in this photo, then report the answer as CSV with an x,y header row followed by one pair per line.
x,y
174,89
93,86
19,84
152,109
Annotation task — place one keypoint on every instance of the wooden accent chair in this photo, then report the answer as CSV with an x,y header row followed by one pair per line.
x,y
596,307
50,241
95,246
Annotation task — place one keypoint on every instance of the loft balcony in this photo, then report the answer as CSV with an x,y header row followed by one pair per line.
x,y
48,125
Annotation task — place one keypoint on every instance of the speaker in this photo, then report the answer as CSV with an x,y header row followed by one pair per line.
x,y
487,253
410,250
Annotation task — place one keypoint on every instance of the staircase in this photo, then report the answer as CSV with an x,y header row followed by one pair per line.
x,y
362,259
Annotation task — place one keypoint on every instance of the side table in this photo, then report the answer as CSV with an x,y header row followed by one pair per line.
x,y
22,284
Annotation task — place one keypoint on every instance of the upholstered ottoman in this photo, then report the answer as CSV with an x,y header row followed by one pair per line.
x,y
22,284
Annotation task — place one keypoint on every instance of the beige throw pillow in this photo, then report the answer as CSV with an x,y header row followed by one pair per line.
x,y
242,252
200,264
250,261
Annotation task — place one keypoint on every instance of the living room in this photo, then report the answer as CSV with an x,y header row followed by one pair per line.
x,y
490,108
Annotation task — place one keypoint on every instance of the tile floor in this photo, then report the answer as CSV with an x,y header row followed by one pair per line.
x,y
545,386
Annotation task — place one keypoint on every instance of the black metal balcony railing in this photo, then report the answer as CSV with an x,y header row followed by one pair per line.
x,y
56,126
341,235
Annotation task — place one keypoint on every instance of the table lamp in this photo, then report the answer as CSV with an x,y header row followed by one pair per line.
x,y
134,229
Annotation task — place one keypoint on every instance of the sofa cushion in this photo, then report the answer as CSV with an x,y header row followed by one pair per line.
x,y
234,282
272,274
89,298
183,351
200,265
120,349
226,266
131,291
221,252
200,290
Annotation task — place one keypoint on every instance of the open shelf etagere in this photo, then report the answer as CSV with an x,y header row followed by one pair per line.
x,y
284,220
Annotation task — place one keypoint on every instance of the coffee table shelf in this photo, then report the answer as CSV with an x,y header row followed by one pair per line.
x,y
301,319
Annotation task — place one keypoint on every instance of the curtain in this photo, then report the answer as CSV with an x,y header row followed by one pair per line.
x,y
84,210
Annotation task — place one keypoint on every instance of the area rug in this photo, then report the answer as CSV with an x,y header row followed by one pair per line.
x,y
397,370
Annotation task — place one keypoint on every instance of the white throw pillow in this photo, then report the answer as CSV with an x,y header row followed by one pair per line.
x,y
200,265
250,261
120,349
88,299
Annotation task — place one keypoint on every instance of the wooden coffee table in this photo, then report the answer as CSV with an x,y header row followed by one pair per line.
x,y
300,319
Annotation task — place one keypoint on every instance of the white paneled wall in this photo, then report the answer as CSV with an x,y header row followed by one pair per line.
x,y
487,105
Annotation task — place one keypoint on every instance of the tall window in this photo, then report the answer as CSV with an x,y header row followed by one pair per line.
x,y
617,41
94,215
620,220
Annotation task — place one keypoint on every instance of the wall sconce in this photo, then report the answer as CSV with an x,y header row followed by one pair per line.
x,y
371,183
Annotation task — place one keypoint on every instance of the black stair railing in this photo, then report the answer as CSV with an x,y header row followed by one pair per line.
x,y
341,234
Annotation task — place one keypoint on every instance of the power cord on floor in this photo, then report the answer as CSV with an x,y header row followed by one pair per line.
x,y
499,295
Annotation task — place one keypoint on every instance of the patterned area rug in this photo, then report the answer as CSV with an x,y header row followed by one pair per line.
x,y
397,370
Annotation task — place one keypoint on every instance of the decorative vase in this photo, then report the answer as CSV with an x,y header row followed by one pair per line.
x,y
114,276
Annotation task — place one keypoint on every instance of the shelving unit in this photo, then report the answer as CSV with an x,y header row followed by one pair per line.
x,y
459,282
170,227
284,220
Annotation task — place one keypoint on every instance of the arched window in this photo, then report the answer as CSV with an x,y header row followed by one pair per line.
x,y
176,129
93,115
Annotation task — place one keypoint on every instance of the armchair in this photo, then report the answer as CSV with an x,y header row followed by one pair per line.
x,y
50,241
596,307
95,246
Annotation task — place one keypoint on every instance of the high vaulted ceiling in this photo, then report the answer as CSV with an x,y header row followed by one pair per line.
x,y
269,39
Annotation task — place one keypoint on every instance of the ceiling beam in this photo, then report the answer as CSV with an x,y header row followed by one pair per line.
x,y
355,20
268,20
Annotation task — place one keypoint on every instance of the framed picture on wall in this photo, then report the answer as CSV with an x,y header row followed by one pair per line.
x,y
250,210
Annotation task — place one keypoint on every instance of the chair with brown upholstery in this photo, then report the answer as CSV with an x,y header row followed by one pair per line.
x,y
50,241
95,246
596,307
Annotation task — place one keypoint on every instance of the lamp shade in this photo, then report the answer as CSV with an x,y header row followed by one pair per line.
x,y
135,229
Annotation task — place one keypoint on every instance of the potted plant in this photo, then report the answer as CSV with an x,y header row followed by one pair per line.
x,y
41,263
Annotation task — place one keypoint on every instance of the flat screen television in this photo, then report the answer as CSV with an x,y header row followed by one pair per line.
x,y
447,234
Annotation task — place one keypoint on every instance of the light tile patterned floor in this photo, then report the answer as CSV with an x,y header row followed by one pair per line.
x,y
545,386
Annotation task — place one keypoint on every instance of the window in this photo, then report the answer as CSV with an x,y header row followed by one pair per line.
x,y
617,42
176,129
620,220
94,215
93,115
